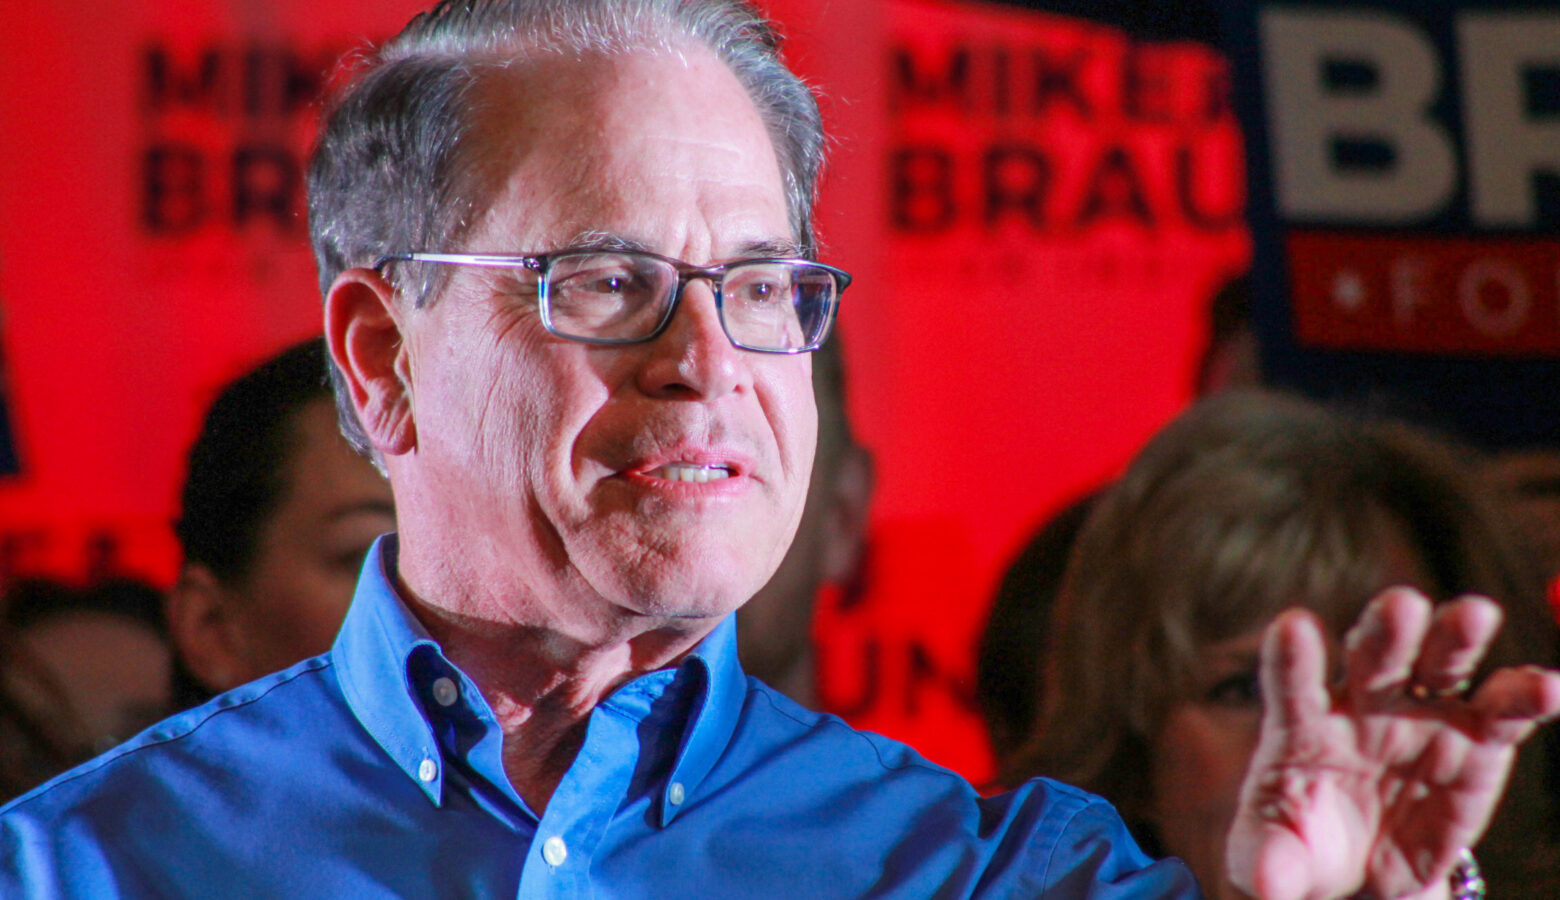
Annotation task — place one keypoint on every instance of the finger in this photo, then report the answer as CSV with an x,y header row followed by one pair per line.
x,y
1283,871
1381,647
1293,671
1459,635
1513,702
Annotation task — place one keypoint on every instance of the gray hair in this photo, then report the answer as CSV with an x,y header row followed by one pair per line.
x,y
386,173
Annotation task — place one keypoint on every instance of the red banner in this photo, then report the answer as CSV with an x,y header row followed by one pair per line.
x,y
1040,209
1474,296
1036,210
152,245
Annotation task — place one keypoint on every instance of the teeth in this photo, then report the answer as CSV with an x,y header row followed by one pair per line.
x,y
691,473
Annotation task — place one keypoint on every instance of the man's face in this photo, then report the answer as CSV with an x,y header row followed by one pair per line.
x,y
546,472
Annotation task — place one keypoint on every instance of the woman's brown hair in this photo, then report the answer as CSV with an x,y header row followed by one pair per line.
x,y
1247,504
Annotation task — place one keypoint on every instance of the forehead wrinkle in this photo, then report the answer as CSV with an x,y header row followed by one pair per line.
x,y
598,239
510,122
512,174
585,185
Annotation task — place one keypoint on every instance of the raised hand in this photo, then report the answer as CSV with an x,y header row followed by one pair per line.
x,y
1376,782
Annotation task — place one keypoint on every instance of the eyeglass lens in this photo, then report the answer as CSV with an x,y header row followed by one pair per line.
x,y
623,296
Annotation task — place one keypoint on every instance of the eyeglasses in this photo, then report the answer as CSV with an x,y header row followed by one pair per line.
x,y
628,296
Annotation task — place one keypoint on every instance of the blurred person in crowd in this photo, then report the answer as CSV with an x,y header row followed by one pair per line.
x,y
1528,484
1008,674
36,739
1009,670
1229,358
774,629
1244,506
277,514
85,670
566,250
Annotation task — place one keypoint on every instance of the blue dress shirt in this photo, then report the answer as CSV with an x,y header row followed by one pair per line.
x,y
376,770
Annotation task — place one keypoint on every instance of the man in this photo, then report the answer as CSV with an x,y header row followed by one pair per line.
x,y
277,513
594,462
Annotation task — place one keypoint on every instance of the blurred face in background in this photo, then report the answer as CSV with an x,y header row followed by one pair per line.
x,y
1528,482
311,549
290,601
110,673
1200,752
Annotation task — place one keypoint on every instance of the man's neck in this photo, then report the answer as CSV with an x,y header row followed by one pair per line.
x,y
543,684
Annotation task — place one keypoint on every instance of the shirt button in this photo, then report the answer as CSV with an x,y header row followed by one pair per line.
x,y
554,851
676,795
428,771
445,693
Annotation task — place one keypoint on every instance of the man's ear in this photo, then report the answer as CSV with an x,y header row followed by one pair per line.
x,y
363,331
207,640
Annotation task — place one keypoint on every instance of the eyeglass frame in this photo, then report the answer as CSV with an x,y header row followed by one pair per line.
x,y
686,272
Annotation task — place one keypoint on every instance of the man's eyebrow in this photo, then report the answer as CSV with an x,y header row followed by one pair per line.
x,y
605,240
782,248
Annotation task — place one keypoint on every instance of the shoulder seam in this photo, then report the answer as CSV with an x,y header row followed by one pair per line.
x,y
1085,803
833,721
99,763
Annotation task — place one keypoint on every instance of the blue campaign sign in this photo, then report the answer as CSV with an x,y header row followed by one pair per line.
x,y
1405,205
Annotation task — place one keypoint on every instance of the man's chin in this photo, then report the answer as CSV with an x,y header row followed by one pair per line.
x,y
690,605
696,598
695,573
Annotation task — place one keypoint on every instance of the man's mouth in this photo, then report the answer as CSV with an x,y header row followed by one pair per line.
x,y
689,472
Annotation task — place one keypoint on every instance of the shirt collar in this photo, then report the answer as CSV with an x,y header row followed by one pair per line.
x,y
371,652
374,656
720,691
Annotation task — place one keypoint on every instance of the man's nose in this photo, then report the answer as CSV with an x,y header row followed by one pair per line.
x,y
693,358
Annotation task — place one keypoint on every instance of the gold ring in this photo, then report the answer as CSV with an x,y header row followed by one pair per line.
x,y
1420,692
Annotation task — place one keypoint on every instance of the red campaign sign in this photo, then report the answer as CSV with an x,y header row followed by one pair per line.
x,y
1481,296
1038,209
152,245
